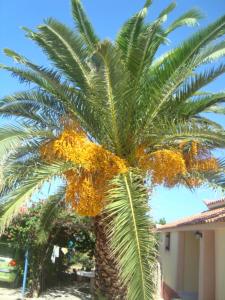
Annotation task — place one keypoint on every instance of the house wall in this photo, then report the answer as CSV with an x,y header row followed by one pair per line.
x,y
207,266
220,263
169,259
191,262
194,277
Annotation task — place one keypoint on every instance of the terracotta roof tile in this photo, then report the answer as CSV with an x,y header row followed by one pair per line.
x,y
215,203
209,216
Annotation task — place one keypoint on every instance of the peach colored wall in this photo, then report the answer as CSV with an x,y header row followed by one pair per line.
x,y
191,262
207,266
169,259
220,263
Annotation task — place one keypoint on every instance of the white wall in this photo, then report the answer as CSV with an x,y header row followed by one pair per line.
x,y
220,263
169,259
191,262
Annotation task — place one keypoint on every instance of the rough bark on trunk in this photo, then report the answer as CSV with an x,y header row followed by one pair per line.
x,y
107,282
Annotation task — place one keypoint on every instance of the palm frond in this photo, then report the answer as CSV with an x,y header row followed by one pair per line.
x,y
18,167
215,179
48,80
72,100
143,41
190,18
49,212
172,134
213,52
111,80
197,81
84,26
160,59
167,10
13,136
132,241
149,40
216,109
178,67
57,59
205,122
11,203
203,37
209,54
201,104
128,35
148,43
34,105
68,46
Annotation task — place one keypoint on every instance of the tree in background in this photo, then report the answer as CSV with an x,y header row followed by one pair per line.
x,y
112,118
162,221
37,230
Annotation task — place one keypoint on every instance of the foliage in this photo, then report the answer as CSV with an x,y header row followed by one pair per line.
x,y
115,111
84,242
26,232
23,234
162,221
83,259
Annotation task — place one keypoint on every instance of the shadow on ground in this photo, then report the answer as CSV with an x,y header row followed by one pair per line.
x,y
77,291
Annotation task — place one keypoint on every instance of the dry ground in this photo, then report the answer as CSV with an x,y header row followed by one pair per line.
x,y
68,292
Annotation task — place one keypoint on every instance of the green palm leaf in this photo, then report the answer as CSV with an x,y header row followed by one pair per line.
x,y
11,203
190,18
197,81
167,10
12,137
175,133
132,241
68,45
128,36
83,25
49,213
201,104
213,52
216,109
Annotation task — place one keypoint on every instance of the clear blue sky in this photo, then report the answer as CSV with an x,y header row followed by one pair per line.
x,y
107,17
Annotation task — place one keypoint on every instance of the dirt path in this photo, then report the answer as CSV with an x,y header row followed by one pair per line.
x,y
6,293
68,293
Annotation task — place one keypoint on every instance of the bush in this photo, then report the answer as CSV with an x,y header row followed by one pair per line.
x,y
30,231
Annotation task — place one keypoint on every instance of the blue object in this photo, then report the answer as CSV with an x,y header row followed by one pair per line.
x,y
25,274
70,253
70,244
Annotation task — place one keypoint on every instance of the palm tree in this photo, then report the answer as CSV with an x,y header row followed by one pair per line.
x,y
110,119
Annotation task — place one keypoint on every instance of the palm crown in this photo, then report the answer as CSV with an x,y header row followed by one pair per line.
x,y
119,100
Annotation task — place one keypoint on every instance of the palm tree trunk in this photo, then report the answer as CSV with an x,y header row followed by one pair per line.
x,y
107,283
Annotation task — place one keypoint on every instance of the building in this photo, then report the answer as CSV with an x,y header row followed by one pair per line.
x,y
192,255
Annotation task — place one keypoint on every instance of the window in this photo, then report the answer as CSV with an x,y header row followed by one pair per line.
x,y
167,241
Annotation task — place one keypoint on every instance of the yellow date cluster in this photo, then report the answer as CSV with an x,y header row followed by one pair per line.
x,y
94,166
